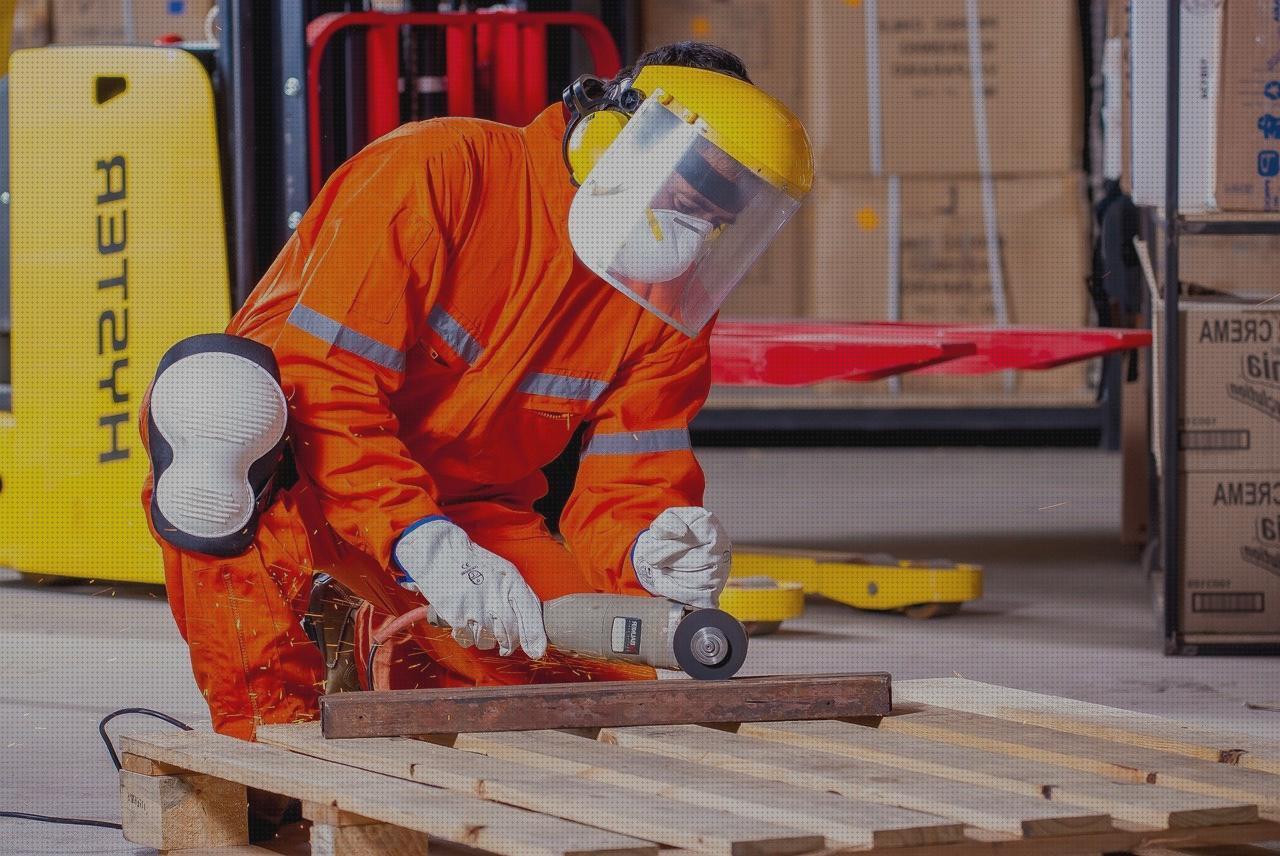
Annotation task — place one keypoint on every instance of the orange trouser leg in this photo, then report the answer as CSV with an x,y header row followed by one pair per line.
x,y
241,619
429,657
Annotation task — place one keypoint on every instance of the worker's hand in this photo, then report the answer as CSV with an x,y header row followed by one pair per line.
x,y
478,593
685,556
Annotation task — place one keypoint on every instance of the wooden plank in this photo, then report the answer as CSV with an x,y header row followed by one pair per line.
x,y
333,816
1219,850
1118,761
887,784
1094,720
653,817
1046,787
595,705
1098,843
375,839
451,816
841,820
183,812
146,766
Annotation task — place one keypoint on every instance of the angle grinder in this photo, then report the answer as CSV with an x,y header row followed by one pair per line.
x,y
706,644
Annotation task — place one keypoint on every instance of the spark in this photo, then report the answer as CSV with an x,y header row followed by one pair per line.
x,y
1055,505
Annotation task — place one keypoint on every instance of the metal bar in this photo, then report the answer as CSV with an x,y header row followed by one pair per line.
x,y
1111,384
506,71
533,71
940,421
294,156
236,61
600,705
1192,226
460,83
1171,519
382,79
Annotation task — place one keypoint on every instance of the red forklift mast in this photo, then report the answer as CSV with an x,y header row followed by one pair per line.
x,y
302,86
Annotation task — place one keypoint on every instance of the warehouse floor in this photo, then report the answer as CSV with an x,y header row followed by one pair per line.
x,y
1066,612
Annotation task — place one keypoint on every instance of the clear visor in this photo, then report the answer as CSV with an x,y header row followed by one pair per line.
x,y
671,220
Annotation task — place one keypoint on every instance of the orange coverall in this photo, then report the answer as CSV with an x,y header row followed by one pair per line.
x,y
438,344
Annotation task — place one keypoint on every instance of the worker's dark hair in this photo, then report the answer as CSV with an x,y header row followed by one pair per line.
x,y
688,55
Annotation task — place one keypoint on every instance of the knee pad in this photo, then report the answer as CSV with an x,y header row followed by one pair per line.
x,y
216,433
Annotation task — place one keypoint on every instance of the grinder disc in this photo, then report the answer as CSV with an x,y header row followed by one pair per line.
x,y
710,644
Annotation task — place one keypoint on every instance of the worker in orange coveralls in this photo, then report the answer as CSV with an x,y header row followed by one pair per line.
x,y
448,313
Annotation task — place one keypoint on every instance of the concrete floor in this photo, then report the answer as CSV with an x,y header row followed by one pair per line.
x,y
1066,612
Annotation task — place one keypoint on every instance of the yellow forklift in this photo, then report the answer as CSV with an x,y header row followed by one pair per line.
x,y
143,191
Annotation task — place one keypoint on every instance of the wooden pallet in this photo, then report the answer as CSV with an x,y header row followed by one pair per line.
x,y
960,768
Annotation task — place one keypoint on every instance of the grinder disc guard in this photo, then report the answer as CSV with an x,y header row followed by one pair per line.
x,y
710,645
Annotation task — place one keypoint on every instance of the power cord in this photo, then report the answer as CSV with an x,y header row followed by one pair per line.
x,y
125,711
68,821
115,759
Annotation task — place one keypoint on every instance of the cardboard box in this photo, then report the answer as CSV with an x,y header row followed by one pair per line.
x,y
1198,100
778,284
123,22
766,35
1230,265
896,95
1231,553
1230,386
30,24
1248,155
915,249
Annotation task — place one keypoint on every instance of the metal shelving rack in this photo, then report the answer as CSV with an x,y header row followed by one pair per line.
x,y
1170,507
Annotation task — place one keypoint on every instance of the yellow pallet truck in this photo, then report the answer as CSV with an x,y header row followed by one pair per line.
x,y
762,603
768,585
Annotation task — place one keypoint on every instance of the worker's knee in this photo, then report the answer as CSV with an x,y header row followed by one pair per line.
x,y
215,433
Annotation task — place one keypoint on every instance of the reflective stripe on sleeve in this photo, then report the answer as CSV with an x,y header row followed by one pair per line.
x,y
563,386
341,336
455,335
639,442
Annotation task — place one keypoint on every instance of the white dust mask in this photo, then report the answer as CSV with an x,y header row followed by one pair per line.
x,y
662,246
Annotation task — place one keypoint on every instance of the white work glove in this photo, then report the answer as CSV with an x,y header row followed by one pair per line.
x,y
477,593
684,556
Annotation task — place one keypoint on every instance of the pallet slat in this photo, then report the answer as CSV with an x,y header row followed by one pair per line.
x,y
840,819
1156,807
652,817
451,816
1011,814
1094,720
596,705
1119,761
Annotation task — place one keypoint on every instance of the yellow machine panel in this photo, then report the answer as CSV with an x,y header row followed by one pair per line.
x,y
118,251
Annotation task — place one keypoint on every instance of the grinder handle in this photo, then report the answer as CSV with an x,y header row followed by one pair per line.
x,y
614,627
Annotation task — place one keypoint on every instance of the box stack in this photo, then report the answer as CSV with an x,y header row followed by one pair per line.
x,y
127,22
1229,467
1229,97
948,148
1229,108
1228,464
947,152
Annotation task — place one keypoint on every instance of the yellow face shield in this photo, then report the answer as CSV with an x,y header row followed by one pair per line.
x,y
670,219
